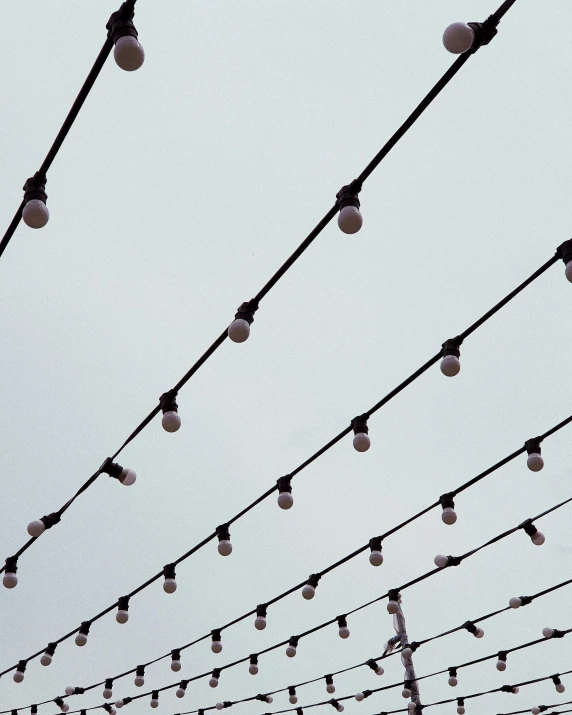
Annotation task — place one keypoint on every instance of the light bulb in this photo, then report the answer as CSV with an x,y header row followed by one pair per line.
x,y
169,585
285,500
560,688
213,682
46,659
260,623
350,219
119,703
568,271
453,682
19,677
458,38
534,462
81,639
308,592
239,330
330,688
361,442
538,538
291,651
36,528
171,421
406,653
127,477
224,547
107,693
547,632
154,703
449,516
515,690
515,602
216,646
406,693
180,693
128,53
501,665
65,707
359,697
479,633
122,616
219,706
376,558
139,681
293,699
450,365
379,670
10,580
175,666
69,690
344,632
253,669
340,708
392,607
535,710
411,707
269,699
440,561
460,710
35,213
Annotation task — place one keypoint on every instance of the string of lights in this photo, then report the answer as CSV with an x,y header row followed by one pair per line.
x,y
129,55
540,709
122,32
393,596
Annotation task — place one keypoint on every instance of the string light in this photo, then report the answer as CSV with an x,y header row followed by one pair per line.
x,y
48,654
460,706
293,698
239,329
501,662
154,699
309,590
122,615
376,667
81,638
182,689
169,584
518,601
213,682
176,660
285,498
350,219
10,580
139,680
330,687
453,677
224,545
344,631
37,528
450,365
260,620
128,52
292,645
475,630
558,684
111,710
108,689
171,420
123,701
253,665
461,37
19,674
565,251
337,705
393,602
534,461
35,212
448,516
216,645
375,556
126,476
361,440
537,537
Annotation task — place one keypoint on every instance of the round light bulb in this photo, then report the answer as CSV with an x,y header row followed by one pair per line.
x,y
122,616
515,602
224,547
308,592
440,561
330,688
107,694
376,558
411,707
80,639
453,681
46,659
547,632
36,528
449,516
119,703
171,421
239,330
285,500
65,707
535,710
359,697
180,693
516,690
290,651
169,585
350,219
379,670
253,669
219,706
344,632
406,653
35,213
361,442
127,477
458,38
392,607
480,633
460,710
69,690
293,699
213,682
560,688
10,580
501,665
19,677
260,623
269,699
175,666
535,462
538,538
450,365
154,703
340,708
139,681
128,53
568,271
216,646
406,693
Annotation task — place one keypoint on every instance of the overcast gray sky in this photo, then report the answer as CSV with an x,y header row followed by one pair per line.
x,y
179,191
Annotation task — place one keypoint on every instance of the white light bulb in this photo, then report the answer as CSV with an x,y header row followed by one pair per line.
x,y
127,477
392,607
535,462
568,271
219,706
458,38
515,602
269,699
406,693
450,365
440,561
213,682
340,708
411,707
154,703
560,688
81,639
65,707
361,442
359,697
285,500
290,651
224,547
538,538
69,690
350,219
501,665
113,711
453,681
46,659
460,710
36,528
216,646
449,516
128,53
122,616
107,694
139,681
516,690
35,213
379,670
535,710
180,693
171,421
293,699
239,330
406,653
19,677
10,580
169,585
308,592
479,633
119,703
253,669
547,632
175,666
376,558
344,632
330,688
260,623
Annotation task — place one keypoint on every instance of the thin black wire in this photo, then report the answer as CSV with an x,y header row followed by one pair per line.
x,y
285,266
301,635
556,705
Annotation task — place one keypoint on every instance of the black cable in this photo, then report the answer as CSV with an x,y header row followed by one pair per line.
x,y
305,633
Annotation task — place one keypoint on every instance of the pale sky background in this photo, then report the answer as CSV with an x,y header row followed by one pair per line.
x,y
179,191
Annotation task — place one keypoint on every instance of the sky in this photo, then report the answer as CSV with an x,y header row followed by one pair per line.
x,y
179,191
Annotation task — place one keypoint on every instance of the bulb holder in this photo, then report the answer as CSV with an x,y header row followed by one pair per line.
x,y
448,515
361,441
285,498
81,638
213,682
37,528
350,219
292,646
126,476
375,556
35,190
450,353
224,543
309,590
